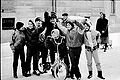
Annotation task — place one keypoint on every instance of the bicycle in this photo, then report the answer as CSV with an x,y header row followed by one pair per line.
x,y
59,68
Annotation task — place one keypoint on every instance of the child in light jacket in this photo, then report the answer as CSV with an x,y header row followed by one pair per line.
x,y
91,38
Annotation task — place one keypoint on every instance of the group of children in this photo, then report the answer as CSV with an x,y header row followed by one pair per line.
x,y
42,36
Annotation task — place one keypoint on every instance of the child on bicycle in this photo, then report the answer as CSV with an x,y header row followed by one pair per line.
x,y
50,43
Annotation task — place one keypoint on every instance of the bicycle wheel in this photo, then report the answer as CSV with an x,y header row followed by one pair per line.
x,y
60,71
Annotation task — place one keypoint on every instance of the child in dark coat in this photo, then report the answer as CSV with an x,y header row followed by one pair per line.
x,y
17,46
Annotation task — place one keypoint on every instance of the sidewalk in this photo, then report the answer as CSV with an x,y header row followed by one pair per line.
x,y
110,62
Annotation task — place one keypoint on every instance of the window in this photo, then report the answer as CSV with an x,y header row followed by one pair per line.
x,y
8,23
113,6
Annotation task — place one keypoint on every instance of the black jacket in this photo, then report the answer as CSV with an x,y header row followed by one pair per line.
x,y
18,40
32,36
102,25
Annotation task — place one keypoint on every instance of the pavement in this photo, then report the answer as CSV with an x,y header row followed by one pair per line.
x,y
110,62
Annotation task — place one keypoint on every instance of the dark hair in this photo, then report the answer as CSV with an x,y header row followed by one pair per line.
x,y
104,15
88,17
71,25
65,14
19,25
101,12
38,19
46,17
32,23
46,14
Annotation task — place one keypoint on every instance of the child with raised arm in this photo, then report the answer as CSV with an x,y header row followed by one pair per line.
x,y
91,38
74,40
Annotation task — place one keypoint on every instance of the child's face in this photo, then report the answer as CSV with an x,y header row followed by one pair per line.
x,y
38,23
53,21
101,15
55,34
65,17
30,25
69,26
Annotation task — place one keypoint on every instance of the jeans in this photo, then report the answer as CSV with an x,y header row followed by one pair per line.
x,y
75,56
89,56
17,53
31,51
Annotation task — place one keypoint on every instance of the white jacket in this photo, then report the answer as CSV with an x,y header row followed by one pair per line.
x,y
91,38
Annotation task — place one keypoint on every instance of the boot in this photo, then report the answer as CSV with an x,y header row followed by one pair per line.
x,y
100,75
15,75
68,74
90,75
15,72
72,75
45,66
79,78
26,73
37,72
105,47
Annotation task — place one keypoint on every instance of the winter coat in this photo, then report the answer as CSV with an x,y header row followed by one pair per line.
x,y
102,25
32,36
18,40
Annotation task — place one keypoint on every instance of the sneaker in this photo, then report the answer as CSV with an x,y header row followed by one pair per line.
x,y
72,78
45,71
26,75
15,76
79,78
29,73
36,72
40,72
90,76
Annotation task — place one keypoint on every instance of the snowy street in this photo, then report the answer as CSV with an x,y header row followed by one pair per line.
x,y
110,62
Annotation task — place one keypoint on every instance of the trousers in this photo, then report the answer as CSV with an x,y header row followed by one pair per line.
x,y
32,52
17,53
74,57
89,55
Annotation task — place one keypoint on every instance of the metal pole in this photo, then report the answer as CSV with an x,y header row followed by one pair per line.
x,y
55,6
52,5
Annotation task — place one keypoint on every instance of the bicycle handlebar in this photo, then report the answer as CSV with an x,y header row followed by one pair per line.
x,y
58,43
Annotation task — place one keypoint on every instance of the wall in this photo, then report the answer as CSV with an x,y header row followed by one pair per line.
x,y
23,10
29,9
117,12
75,7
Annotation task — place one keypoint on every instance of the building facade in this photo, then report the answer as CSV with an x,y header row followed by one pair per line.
x,y
23,10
